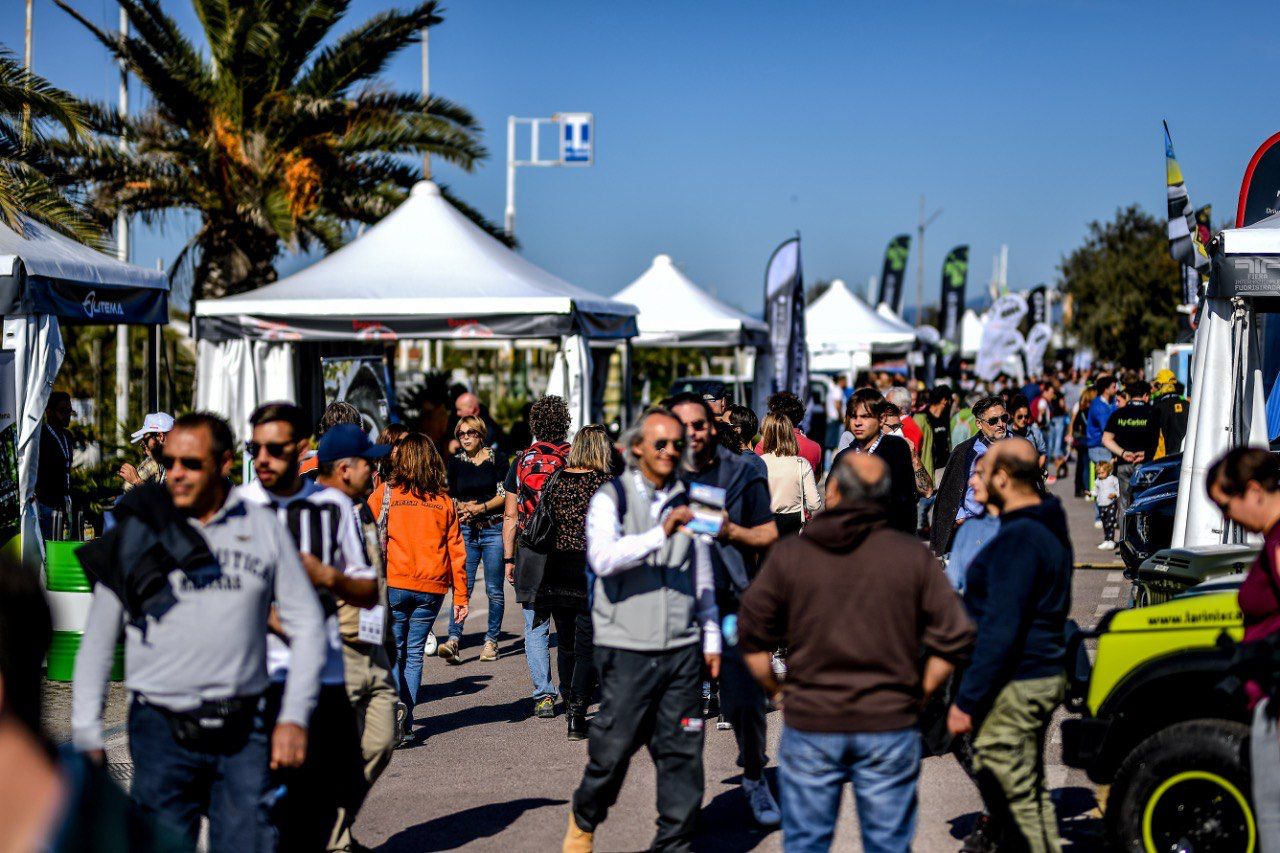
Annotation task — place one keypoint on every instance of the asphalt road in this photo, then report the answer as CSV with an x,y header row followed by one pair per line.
x,y
485,774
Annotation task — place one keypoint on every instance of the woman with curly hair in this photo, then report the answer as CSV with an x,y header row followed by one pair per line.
x,y
425,557
530,470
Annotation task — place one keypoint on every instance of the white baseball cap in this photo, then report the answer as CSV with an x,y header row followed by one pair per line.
x,y
154,422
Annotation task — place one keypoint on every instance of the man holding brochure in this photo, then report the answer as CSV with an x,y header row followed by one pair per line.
x,y
656,628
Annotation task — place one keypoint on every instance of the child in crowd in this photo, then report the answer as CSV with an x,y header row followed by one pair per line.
x,y
1107,491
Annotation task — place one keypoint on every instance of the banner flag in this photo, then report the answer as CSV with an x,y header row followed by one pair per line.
x,y
1000,336
955,275
784,312
1038,304
1038,339
893,273
1184,236
1204,224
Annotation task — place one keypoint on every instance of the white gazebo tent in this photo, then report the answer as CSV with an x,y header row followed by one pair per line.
x,y
1227,405
46,280
675,312
843,332
971,326
425,271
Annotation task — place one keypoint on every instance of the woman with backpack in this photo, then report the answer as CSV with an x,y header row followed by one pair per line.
x,y
793,492
563,591
425,557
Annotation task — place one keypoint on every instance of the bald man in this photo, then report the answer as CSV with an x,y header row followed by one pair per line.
x,y
469,405
861,600
1019,595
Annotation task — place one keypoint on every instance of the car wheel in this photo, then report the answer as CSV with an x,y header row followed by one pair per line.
x,y
1185,788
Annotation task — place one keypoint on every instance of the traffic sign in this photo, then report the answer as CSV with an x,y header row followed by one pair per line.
x,y
576,144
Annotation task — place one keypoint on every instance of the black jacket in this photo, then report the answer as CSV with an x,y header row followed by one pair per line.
x,y
949,496
134,559
1018,592
901,504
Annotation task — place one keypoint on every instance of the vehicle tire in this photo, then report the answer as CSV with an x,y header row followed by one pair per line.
x,y
1185,787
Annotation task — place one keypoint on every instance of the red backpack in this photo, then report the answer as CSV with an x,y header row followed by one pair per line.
x,y
533,468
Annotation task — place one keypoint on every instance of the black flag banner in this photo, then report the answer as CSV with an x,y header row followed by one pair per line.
x,y
894,272
1038,304
784,313
955,276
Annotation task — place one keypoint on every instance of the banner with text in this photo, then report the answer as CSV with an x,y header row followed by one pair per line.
x,y
784,312
893,273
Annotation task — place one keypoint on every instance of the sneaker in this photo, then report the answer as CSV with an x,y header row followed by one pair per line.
x,y
1098,524
490,651
1108,545
982,838
764,808
449,651
545,708
1051,479
432,644
723,725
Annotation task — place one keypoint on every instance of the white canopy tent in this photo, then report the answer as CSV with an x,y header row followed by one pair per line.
x,y
971,326
425,271
675,312
844,332
1227,405
47,279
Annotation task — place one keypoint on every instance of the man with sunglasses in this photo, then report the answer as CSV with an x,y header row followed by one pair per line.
x,y
955,502
656,629
748,529
322,522
199,735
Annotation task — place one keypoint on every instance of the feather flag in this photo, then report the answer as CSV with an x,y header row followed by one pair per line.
x,y
1184,236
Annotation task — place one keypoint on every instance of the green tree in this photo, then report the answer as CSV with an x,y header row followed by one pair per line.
x,y
1124,288
29,108
278,136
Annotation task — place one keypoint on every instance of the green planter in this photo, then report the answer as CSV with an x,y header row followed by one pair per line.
x,y
62,657
63,572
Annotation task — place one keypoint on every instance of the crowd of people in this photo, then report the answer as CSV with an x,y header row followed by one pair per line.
x,y
707,565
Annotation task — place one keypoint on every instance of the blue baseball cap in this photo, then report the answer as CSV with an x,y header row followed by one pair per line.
x,y
344,441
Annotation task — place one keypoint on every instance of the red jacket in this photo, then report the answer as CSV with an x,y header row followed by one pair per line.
x,y
809,449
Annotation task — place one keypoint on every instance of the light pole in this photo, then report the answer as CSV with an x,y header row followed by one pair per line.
x,y
577,148
920,228
122,253
426,92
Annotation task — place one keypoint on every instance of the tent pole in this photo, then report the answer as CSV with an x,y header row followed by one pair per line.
x,y
737,375
154,338
624,417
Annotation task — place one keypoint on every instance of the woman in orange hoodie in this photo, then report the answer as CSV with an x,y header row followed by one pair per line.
x,y
425,557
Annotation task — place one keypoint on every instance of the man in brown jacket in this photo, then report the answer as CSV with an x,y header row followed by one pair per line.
x,y
855,603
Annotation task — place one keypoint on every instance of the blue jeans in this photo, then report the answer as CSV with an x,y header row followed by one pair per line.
x,y
537,651
1057,437
412,613
484,545
177,785
883,767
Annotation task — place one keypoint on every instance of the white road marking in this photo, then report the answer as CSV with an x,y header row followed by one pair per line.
x,y
1103,609
1111,592
1115,577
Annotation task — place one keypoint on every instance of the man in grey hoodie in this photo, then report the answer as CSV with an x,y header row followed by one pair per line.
x,y
656,628
197,673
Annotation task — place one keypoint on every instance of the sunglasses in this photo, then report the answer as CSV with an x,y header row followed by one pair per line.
x,y
676,444
996,419
468,433
275,449
698,426
191,463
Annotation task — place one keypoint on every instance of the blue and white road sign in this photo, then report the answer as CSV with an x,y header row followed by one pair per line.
x,y
576,139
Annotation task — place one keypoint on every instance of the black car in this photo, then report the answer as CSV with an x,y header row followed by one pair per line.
x,y
1147,526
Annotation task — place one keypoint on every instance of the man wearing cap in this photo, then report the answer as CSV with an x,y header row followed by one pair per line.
x,y
1171,411
155,427
717,397
346,463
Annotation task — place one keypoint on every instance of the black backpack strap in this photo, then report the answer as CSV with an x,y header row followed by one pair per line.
x,y
619,498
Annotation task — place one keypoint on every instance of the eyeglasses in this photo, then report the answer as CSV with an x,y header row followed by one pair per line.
x,y
275,449
698,426
468,433
191,463
676,444
996,419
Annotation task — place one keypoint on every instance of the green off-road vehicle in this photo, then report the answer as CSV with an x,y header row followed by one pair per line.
x,y
1156,723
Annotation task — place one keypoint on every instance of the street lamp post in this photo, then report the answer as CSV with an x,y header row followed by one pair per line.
x,y
577,148
920,228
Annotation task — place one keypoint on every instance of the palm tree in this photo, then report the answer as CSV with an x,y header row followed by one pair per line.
x,y
29,174
278,137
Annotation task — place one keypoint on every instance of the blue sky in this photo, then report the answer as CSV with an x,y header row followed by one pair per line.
x,y
724,127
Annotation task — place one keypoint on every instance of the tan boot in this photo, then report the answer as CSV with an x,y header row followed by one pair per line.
x,y
577,840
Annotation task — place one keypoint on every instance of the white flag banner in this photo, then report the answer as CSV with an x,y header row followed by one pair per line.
x,y
1008,310
999,342
1038,338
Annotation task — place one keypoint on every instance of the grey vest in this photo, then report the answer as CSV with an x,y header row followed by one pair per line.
x,y
648,608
